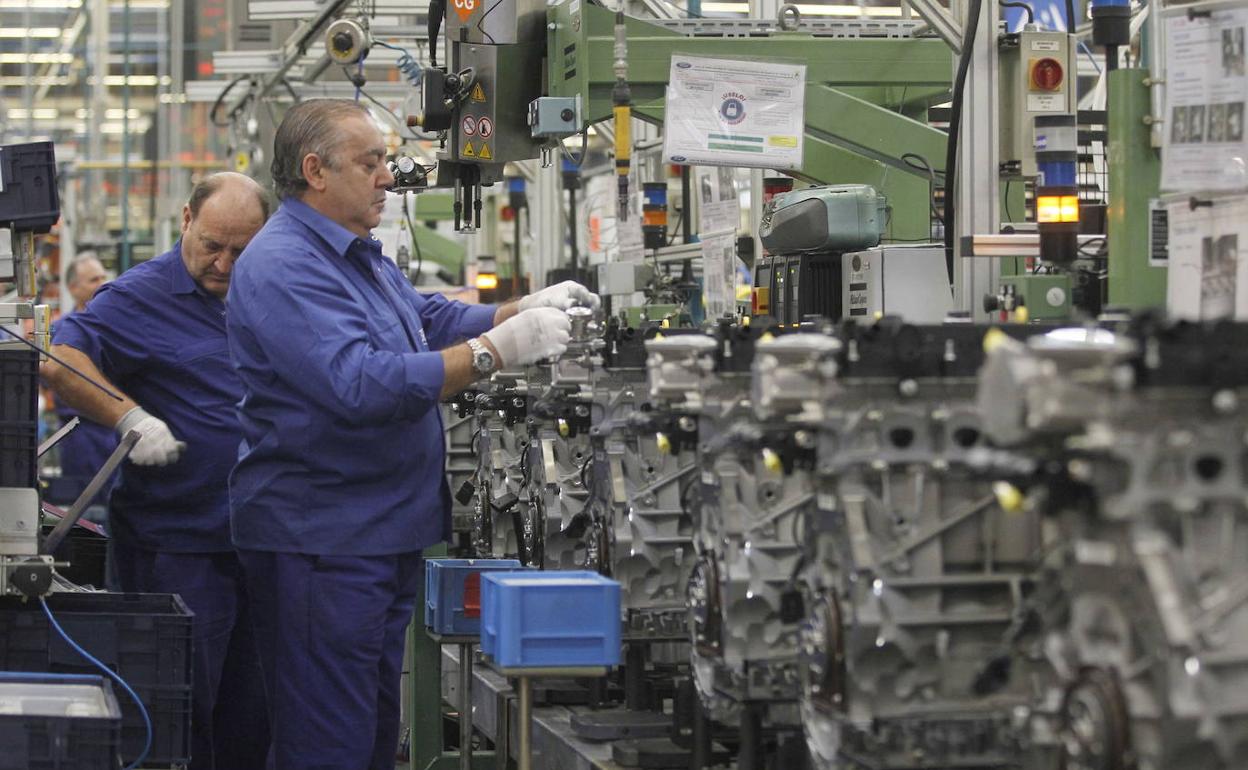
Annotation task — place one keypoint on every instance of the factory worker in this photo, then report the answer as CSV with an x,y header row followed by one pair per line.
x,y
341,478
156,337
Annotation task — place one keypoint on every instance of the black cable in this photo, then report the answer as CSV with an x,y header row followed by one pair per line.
x,y
955,126
61,361
212,113
1008,215
1071,22
437,9
676,229
1031,15
358,81
481,20
931,179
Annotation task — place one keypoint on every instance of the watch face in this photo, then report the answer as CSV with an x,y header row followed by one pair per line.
x,y
483,361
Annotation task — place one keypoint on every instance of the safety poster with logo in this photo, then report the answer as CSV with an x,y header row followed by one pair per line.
x,y
725,112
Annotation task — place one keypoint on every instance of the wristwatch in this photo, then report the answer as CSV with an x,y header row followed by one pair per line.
x,y
482,359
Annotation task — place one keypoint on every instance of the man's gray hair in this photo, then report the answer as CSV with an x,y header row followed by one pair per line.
x,y
71,272
310,127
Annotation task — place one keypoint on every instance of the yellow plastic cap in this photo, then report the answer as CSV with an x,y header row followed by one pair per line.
x,y
1009,497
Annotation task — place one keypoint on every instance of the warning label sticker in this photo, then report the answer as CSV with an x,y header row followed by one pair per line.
x,y
468,152
486,127
469,126
478,93
485,153
465,8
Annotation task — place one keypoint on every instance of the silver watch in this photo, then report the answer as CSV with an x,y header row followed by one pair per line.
x,y
482,359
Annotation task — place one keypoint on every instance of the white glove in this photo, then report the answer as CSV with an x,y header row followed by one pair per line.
x,y
563,296
156,446
530,336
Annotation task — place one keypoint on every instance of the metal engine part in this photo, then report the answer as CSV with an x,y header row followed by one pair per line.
x,y
501,511
741,651
916,651
640,494
1144,602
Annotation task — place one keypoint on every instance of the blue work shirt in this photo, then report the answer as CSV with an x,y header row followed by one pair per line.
x,y
160,338
82,451
343,451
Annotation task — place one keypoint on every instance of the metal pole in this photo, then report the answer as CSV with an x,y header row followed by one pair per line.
x,y
28,73
978,201
751,751
524,759
124,262
634,677
465,706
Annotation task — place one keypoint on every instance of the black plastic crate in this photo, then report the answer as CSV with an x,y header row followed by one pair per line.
x,y
60,742
19,417
29,199
146,638
86,552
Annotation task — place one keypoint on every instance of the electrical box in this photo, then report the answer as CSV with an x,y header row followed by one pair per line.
x,y
910,281
1037,77
555,116
492,123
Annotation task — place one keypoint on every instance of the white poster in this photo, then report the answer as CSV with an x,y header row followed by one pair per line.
x,y
1207,278
719,275
719,205
1206,86
725,112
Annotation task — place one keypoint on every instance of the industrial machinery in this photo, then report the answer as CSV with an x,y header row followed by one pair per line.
x,y
824,261
744,654
1137,436
916,651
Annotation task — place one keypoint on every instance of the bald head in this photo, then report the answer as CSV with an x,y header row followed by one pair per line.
x,y
224,212
84,276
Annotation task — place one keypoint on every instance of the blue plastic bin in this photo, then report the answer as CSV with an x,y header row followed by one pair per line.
x,y
453,593
547,619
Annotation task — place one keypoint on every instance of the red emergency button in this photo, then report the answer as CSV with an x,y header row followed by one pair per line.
x,y
1046,74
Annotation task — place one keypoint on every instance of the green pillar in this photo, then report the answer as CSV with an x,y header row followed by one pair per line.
x,y
425,708
1134,179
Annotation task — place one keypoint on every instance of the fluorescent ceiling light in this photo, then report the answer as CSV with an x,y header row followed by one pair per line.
x,y
38,5
18,113
36,32
134,80
136,127
807,9
36,58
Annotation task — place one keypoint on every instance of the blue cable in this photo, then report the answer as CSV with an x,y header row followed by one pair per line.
x,y
1091,58
147,720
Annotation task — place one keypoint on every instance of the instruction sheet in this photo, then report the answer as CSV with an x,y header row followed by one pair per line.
x,y
725,112
1206,85
1208,279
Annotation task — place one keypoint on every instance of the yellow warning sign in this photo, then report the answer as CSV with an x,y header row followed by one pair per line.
x,y
468,152
485,153
478,93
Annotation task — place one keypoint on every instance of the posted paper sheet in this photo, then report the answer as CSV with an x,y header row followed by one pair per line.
x,y
1207,278
725,112
1206,86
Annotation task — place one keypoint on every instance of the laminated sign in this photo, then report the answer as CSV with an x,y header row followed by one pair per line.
x,y
1206,147
724,112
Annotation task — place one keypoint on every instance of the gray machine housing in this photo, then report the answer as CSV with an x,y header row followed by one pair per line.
x,y
912,281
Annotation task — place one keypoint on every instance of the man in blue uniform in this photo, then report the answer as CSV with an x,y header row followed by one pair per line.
x,y
340,481
85,449
156,336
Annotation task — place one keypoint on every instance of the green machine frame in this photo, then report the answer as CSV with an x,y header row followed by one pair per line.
x,y
866,106
866,98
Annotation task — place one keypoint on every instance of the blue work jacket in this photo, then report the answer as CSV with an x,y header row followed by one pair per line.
x,y
342,450
160,338
83,451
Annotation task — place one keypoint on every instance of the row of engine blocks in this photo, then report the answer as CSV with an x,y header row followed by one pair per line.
x,y
921,546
